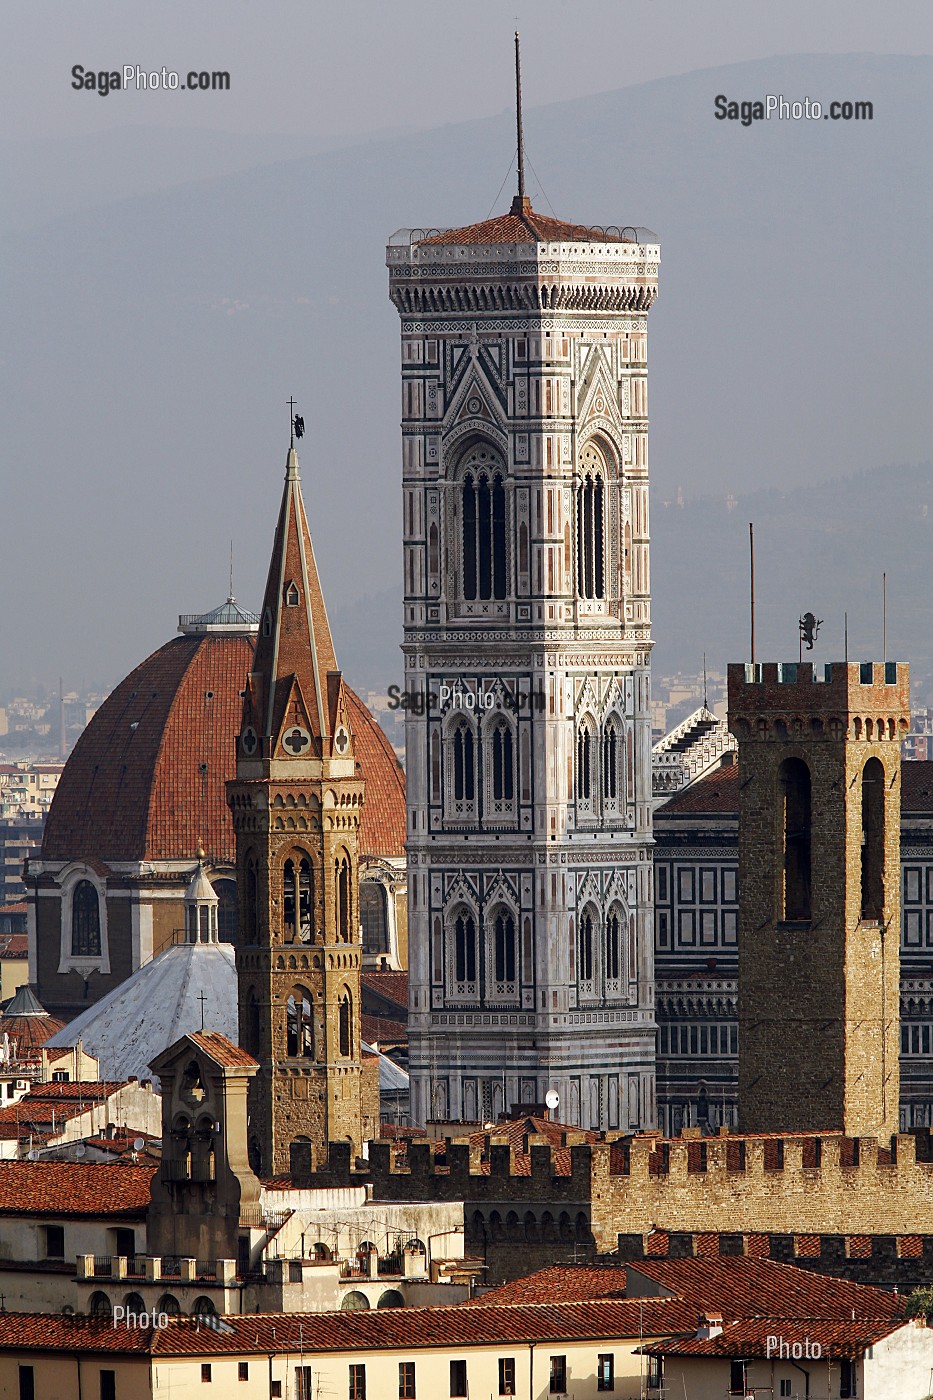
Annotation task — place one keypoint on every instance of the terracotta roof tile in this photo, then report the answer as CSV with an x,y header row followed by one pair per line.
x,y
750,1339
742,1287
274,1333
561,1283
74,1189
528,227
222,1050
154,791
392,986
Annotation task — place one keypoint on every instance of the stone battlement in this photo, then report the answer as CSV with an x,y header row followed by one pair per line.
x,y
875,690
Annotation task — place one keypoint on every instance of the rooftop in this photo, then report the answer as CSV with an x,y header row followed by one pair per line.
x,y
74,1189
756,1338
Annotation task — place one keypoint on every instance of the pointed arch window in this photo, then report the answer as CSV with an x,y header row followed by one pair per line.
x,y
85,921
464,763
504,957
483,539
373,917
611,746
292,596
873,787
298,900
299,1025
342,892
585,774
585,950
615,933
346,1025
463,957
591,527
252,901
796,834
503,763
253,1024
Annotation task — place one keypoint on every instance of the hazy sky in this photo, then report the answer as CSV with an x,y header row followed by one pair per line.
x,y
318,76
358,66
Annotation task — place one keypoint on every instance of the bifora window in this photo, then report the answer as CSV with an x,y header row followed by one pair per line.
x,y
591,582
483,527
85,921
298,899
464,764
465,949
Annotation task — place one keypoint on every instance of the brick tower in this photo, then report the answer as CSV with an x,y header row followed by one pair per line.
x,y
819,885
296,803
527,645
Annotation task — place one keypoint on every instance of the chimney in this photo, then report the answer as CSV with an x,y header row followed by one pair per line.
x,y
709,1325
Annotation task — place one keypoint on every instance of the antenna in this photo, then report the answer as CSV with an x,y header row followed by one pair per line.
x,y
518,203
705,694
230,591
751,560
845,636
884,617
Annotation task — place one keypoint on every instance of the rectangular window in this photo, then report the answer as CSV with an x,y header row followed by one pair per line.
x,y
847,1379
304,1383
458,1385
294,1270
686,929
507,1375
930,884
730,927
275,1390
205,1372
708,927
708,886
357,1389
54,1241
905,1040
737,1378
558,1385
605,1371
694,1040
911,884
406,1380
685,885
786,1388
704,1040
125,1243
662,1040
242,1371
913,928
733,1040
27,1383
108,1385
930,928
664,927
660,879
729,882
655,1372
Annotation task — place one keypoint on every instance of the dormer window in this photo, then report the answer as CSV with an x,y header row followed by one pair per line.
x,y
292,596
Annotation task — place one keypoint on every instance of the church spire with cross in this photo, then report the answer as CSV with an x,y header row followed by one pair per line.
x,y
296,803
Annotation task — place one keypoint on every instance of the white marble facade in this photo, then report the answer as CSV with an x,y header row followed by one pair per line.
x,y
527,649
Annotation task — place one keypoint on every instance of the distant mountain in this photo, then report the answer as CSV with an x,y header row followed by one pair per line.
x,y
149,344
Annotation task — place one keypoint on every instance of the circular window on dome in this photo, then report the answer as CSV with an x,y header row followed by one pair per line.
x,y
248,740
296,741
341,740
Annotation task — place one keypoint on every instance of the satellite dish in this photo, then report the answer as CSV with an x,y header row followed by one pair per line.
x,y
139,1144
32,1155
552,1099
80,1150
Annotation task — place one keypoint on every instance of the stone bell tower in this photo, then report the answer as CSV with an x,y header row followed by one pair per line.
x,y
527,645
819,880
296,803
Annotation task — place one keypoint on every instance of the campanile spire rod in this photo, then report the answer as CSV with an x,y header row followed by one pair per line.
x,y
518,120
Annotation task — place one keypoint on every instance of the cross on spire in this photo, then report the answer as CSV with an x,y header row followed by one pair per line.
x,y
202,999
291,421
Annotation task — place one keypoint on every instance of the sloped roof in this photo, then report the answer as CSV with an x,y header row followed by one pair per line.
x,y
156,1006
74,1189
715,794
223,1050
561,1283
743,1287
754,1338
529,227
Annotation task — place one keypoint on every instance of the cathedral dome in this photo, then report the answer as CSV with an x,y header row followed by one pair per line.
x,y
146,780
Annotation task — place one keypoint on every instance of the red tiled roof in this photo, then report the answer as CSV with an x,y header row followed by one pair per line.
x,y
275,1333
917,786
392,986
743,1287
30,1032
222,1050
154,791
751,1339
382,826
527,227
379,1030
146,778
14,945
561,1283
715,794
74,1189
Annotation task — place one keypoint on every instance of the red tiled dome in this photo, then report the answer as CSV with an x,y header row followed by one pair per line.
x,y
146,778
